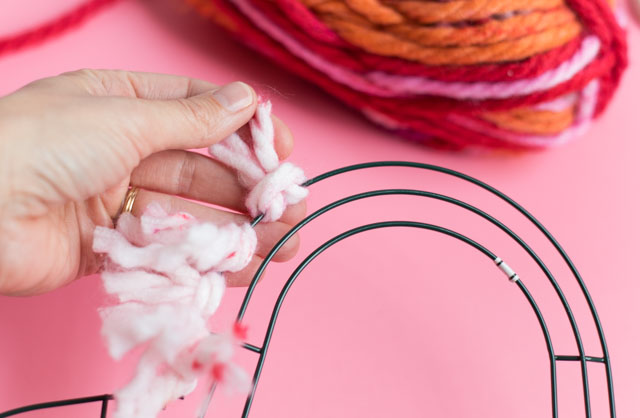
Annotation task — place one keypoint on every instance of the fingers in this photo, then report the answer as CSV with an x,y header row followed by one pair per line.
x,y
268,233
197,177
167,111
190,175
193,122
244,276
137,84
283,137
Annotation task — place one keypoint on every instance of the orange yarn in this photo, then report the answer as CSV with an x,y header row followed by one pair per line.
x,y
510,30
490,32
375,12
386,44
427,12
532,121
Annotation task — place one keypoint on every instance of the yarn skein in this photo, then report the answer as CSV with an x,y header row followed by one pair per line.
x,y
515,74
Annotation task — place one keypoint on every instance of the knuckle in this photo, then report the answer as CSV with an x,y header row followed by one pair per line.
x,y
186,173
93,81
84,74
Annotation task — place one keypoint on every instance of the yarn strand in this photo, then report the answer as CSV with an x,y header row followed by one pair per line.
x,y
55,27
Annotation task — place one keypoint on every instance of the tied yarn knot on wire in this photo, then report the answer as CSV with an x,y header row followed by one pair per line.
x,y
272,185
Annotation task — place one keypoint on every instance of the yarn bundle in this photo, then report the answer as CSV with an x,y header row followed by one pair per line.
x,y
516,74
166,274
165,271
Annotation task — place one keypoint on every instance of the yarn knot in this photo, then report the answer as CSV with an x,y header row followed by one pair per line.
x,y
272,185
275,191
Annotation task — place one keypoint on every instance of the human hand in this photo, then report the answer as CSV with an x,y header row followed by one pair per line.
x,y
71,145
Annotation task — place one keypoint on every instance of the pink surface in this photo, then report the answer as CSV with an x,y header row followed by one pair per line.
x,y
397,322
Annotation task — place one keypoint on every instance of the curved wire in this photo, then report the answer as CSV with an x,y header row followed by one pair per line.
x,y
421,193
361,229
45,405
582,357
541,228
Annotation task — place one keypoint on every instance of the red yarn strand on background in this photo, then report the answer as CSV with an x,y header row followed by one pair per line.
x,y
48,30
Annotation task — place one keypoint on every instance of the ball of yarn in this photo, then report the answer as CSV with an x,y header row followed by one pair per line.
x,y
449,73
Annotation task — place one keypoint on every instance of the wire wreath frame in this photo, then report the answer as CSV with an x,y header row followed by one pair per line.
x,y
582,358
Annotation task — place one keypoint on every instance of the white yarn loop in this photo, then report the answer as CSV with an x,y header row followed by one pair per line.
x,y
272,186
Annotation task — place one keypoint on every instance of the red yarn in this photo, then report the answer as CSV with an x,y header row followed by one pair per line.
x,y
424,118
53,28
240,331
599,18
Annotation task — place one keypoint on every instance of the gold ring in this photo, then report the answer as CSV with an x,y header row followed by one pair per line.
x,y
127,203
129,199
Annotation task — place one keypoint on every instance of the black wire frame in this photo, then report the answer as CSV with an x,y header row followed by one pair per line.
x,y
582,358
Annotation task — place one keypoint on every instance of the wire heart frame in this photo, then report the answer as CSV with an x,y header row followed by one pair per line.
x,y
582,358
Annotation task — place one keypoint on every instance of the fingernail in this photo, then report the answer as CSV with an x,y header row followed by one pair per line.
x,y
234,96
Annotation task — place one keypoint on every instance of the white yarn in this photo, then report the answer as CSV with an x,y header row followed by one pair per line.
x,y
272,185
165,274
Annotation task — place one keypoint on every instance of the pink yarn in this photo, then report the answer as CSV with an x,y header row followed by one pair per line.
x,y
410,85
560,104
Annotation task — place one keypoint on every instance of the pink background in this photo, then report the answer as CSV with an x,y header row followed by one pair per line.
x,y
391,323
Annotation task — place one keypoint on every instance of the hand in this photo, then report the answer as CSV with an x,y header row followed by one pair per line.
x,y
70,146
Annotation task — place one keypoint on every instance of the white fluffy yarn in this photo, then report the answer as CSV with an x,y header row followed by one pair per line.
x,y
272,185
165,271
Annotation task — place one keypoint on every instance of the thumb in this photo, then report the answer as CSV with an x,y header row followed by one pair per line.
x,y
196,121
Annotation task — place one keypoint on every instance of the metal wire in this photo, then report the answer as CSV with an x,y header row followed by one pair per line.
x,y
553,358
46,405
545,232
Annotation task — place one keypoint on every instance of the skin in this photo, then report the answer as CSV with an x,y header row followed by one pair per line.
x,y
71,145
